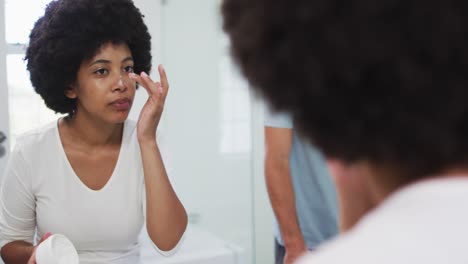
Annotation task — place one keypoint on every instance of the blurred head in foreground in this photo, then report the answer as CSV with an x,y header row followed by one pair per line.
x,y
380,87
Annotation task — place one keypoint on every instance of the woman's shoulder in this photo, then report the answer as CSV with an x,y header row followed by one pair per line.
x,y
37,137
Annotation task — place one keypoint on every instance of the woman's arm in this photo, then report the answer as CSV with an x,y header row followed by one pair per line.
x,y
17,209
166,219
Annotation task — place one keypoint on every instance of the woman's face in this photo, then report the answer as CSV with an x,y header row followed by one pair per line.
x,y
103,88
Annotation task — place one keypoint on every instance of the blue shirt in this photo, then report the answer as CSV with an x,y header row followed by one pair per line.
x,y
316,201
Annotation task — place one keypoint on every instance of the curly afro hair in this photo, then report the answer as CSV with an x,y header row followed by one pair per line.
x,y
381,81
72,31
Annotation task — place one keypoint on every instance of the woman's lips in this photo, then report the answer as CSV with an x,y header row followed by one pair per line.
x,y
121,104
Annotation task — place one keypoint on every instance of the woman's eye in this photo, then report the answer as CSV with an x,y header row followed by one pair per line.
x,y
128,69
101,72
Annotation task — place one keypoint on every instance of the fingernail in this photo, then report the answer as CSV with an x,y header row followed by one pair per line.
x,y
131,74
144,74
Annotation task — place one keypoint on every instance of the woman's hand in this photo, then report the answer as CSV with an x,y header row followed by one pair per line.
x,y
32,259
152,110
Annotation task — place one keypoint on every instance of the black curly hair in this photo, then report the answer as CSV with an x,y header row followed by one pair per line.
x,y
72,31
382,81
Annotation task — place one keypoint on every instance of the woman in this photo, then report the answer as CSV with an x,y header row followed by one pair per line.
x,y
93,175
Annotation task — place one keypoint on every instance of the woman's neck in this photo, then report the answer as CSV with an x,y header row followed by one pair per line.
x,y
384,184
91,131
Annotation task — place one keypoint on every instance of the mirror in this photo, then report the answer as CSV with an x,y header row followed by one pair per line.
x,y
211,123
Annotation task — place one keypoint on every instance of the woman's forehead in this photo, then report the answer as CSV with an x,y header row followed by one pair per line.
x,y
112,52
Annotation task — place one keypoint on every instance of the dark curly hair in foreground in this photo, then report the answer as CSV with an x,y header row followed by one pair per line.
x,y
72,31
382,81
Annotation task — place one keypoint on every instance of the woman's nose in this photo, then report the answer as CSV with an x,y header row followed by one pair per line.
x,y
123,82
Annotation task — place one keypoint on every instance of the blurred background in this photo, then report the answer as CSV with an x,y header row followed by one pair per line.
x,y
212,124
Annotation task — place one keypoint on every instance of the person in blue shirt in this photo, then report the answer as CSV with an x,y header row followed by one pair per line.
x,y
301,190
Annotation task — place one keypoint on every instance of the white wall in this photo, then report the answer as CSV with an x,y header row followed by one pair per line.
x,y
3,86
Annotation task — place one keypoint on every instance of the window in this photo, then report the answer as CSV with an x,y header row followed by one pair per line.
x,y
26,108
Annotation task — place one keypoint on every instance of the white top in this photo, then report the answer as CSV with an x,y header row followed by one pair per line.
x,y
40,189
426,222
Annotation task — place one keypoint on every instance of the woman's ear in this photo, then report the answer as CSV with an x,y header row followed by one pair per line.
x,y
71,92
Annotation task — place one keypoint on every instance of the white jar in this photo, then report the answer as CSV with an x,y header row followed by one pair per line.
x,y
56,249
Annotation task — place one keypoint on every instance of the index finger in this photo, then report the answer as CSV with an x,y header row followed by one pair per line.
x,y
163,78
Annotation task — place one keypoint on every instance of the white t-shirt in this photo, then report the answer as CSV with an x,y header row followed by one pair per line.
x,y
426,222
41,190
